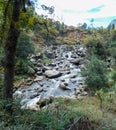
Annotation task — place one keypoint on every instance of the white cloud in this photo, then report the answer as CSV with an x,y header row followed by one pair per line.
x,y
77,10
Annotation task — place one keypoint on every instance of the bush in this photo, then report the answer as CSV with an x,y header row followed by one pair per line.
x,y
22,66
96,45
24,48
95,74
50,118
112,49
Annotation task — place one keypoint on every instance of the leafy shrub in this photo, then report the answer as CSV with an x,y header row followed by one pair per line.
x,y
22,66
1,80
47,119
112,49
113,35
96,45
19,119
58,118
95,74
24,46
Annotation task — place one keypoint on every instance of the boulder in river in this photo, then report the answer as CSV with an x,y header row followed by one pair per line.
x,y
52,73
77,61
64,87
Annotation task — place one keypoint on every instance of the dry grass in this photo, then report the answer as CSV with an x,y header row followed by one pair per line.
x,y
102,119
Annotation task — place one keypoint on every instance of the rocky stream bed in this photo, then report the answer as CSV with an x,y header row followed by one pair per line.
x,y
60,77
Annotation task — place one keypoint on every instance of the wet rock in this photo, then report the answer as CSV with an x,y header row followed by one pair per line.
x,y
52,73
52,64
43,102
64,87
18,94
39,72
38,78
46,68
34,95
36,56
33,60
84,93
38,89
32,104
39,64
49,54
77,61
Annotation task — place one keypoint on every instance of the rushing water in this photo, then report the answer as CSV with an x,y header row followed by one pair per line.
x,y
70,78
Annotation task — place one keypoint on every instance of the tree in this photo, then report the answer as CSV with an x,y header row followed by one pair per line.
x,y
84,26
96,44
10,43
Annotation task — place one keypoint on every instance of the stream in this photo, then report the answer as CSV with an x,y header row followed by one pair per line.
x,y
59,78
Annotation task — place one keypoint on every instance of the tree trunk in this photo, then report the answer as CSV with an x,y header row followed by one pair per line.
x,y
10,51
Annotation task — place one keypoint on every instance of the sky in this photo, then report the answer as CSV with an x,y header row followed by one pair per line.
x,y
73,12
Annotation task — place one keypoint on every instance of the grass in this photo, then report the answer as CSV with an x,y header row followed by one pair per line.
x,y
59,114
102,119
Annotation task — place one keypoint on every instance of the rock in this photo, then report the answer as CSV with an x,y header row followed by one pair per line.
x,y
32,104
34,95
38,78
38,90
76,91
70,75
39,73
52,73
77,61
64,87
43,102
49,54
84,93
39,64
46,68
52,64
54,47
33,60
38,56
17,94
31,70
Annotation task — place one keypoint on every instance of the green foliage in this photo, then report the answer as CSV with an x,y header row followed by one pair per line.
x,y
95,74
60,114
112,49
69,47
56,118
24,46
96,45
1,84
22,66
113,35
18,120
113,76
100,95
24,49
47,119
112,81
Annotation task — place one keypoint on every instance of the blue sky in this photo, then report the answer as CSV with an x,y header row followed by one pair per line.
x,y
73,12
